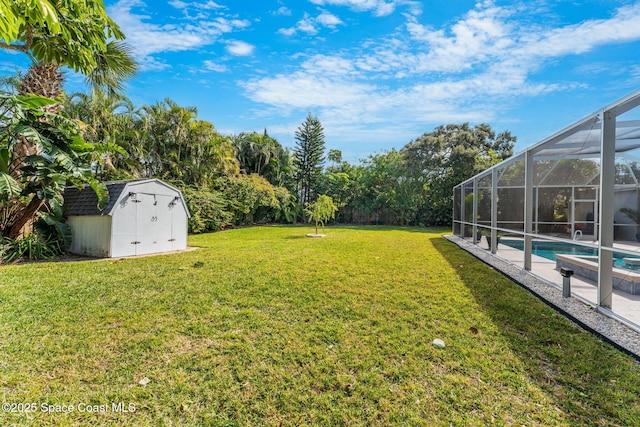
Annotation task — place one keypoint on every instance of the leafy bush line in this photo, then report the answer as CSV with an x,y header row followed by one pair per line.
x,y
240,200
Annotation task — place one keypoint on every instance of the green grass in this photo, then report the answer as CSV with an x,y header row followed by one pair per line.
x,y
263,326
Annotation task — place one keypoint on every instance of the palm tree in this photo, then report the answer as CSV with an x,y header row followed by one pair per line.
x,y
224,155
245,147
74,34
107,120
165,127
57,33
115,65
178,146
256,151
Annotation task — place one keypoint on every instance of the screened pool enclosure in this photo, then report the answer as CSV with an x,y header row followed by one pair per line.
x,y
570,201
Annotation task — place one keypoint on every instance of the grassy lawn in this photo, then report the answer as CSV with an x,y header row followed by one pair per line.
x,y
263,326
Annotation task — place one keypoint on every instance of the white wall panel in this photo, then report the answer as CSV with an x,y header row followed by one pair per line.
x,y
91,235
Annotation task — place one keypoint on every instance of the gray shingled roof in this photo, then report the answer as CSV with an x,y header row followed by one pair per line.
x,y
85,202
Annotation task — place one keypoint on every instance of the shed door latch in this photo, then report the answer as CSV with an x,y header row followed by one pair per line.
x,y
135,242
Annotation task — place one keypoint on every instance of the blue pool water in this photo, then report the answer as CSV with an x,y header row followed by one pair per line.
x,y
549,250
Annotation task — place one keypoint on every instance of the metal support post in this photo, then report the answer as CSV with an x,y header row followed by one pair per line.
x,y
566,282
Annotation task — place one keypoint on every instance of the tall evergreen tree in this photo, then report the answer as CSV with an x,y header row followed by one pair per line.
x,y
308,158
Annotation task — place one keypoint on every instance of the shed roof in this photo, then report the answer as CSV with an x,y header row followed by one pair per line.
x,y
85,202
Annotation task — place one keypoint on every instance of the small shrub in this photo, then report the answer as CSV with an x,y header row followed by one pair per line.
x,y
321,210
32,246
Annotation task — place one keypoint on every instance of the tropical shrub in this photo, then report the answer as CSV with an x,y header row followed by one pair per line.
x,y
209,211
252,198
41,152
288,210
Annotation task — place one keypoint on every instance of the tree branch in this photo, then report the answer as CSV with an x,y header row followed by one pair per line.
x,y
21,47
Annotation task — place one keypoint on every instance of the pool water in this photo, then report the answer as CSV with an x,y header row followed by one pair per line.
x,y
549,250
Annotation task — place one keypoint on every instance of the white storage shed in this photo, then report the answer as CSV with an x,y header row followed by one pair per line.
x,y
142,217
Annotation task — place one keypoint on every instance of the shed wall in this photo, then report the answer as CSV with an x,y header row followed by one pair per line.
x,y
91,235
179,228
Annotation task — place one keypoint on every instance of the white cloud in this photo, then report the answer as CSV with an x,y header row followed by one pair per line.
x,y
301,90
226,25
469,71
379,7
580,38
329,65
240,48
178,4
331,83
287,31
211,5
149,39
357,112
309,24
328,20
149,63
283,11
488,36
214,66
482,34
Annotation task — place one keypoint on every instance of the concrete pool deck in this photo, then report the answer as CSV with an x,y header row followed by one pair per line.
x,y
621,325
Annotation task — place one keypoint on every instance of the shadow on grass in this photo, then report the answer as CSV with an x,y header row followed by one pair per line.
x,y
296,237
331,227
372,227
589,380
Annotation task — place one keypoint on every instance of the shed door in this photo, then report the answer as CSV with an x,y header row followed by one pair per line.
x,y
153,220
125,237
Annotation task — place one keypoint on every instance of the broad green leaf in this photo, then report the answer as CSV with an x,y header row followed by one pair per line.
x,y
109,147
64,160
101,192
9,21
58,180
47,15
9,187
4,160
35,101
64,231
31,134
79,145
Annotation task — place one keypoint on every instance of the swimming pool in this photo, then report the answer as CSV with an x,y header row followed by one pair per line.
x,y
549,250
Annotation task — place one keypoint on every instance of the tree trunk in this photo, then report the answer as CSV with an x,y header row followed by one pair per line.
x,y
42,79
28,214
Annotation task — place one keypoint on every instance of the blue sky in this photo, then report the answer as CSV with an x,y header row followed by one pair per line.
x,y
380,73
